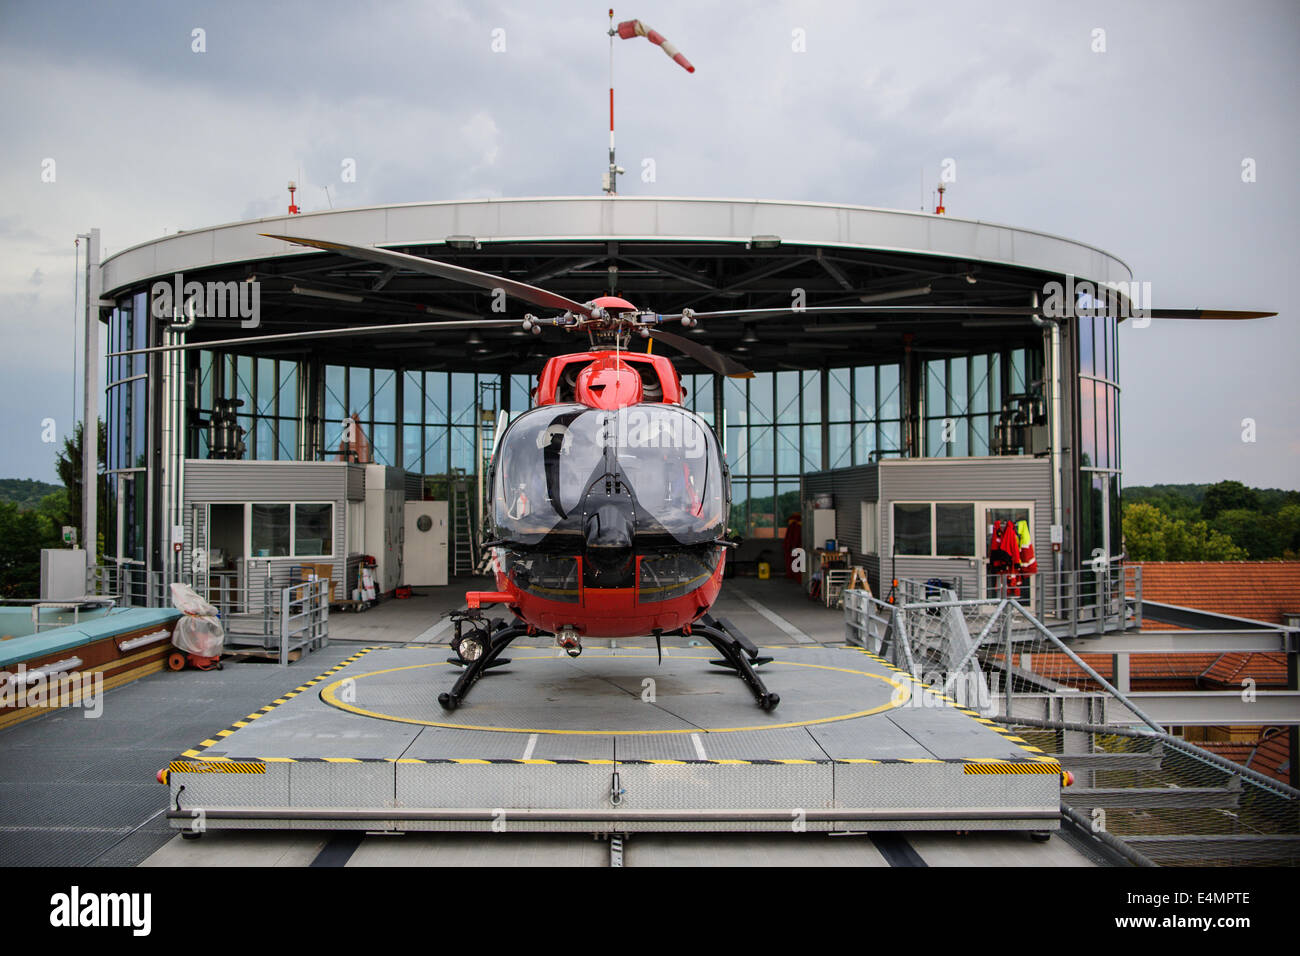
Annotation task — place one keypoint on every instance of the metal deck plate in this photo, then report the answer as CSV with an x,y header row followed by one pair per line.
x,y
366,745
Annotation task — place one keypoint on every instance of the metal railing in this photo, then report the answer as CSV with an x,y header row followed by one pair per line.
x,y
304,617
261,614
1072,603
1166,800
129,585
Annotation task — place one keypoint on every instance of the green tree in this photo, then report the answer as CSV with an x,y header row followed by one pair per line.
x,y
1228,496
1264,536
1144,532
68,465
22,535
1151,535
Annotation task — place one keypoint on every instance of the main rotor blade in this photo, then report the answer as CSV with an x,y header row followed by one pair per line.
x,y
324,333
1214,314
712,360
860,309
444,270
1025,310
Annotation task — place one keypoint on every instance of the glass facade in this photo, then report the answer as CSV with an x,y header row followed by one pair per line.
x,y
963,397
1100,468
126,420
773,427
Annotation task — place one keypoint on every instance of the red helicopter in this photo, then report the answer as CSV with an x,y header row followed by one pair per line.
x,y
610,499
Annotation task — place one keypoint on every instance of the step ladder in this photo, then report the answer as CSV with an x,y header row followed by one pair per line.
x,y
462,523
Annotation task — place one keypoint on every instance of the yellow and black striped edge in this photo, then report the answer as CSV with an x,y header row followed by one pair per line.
x,y
216,766
1035,753
197,751
984,764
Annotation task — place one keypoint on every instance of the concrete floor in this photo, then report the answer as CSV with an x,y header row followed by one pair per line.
x,y
81,792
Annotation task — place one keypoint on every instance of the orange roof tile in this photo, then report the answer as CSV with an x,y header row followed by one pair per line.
x,y
1267,670
1261,590
1269,756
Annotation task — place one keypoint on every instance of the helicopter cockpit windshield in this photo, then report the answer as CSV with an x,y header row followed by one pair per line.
x,y
558,465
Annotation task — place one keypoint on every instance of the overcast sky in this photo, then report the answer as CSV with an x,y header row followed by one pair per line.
x,y
1138,149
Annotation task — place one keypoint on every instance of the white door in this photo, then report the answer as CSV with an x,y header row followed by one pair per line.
x,y
425,551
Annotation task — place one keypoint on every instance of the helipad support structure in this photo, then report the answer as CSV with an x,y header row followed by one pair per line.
x,y
615,742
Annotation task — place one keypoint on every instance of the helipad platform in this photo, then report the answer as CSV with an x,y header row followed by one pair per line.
x,y
615,741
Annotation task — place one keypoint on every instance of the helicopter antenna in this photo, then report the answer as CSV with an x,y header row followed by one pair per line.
x,y
611,177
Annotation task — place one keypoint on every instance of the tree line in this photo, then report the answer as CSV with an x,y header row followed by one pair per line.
x,y
1225,521
32,517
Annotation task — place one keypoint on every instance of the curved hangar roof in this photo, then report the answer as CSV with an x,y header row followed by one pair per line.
x,y
661,254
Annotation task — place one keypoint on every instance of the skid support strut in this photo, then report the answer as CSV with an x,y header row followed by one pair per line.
x,y
738,654
478,645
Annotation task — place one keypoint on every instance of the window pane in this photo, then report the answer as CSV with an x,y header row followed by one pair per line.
x,y
954,528
787,450
359,396
462,449
1087,423
463,402
812,447
891,441
700,397
313,530
383,439
270,531
435,398
812,396
935,446
412,397
839,451
412,446
385,395
840,406
762,451
787,397
335,393
286,448
435,450
864,393
888,402
762,515
760,398
864,443
739,507
1086,350
936,399
911,529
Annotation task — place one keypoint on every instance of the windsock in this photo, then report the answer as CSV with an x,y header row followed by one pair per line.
x,y
635,28
1028,563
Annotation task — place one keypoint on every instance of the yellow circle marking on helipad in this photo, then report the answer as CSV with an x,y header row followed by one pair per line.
x,y
901,695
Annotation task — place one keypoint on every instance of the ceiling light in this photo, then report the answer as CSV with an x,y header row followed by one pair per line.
x,y
750,337
851,327
326,294
897,294
463,242
764,242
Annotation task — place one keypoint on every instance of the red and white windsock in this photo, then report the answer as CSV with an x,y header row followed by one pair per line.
x,y
635,28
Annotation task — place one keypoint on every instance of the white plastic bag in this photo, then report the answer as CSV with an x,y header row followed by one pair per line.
x,y
198,631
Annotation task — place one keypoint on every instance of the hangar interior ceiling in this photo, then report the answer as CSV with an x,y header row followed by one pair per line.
x,y
663,276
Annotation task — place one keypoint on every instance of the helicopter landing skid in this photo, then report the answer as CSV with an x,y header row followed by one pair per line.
x,y
488,639
738,654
